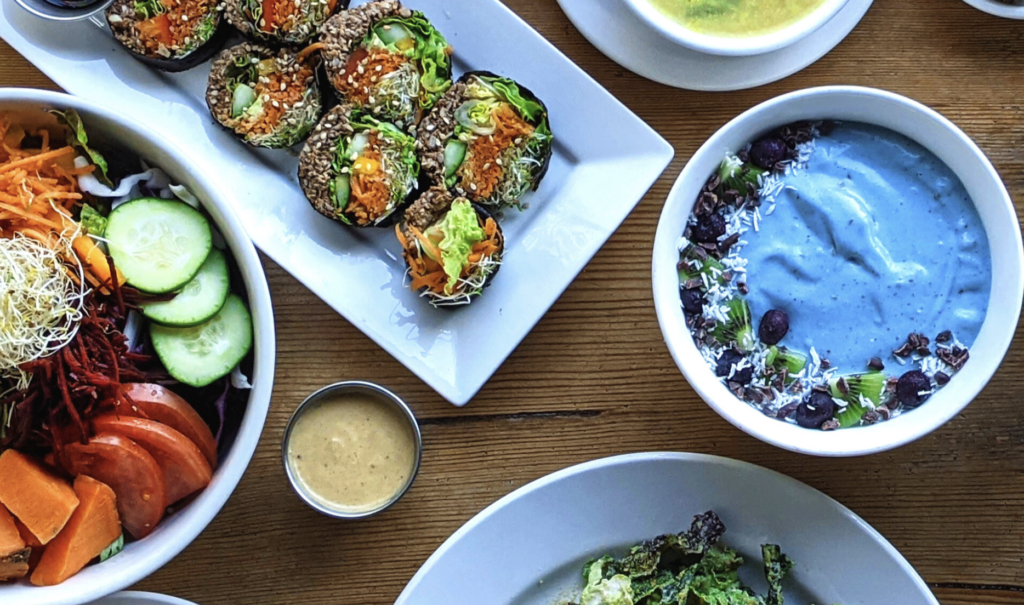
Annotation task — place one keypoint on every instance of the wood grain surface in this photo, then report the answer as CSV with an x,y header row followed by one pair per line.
x,y
595,379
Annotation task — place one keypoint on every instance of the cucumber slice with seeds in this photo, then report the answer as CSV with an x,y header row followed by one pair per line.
x,y
159,245
199,300
199,355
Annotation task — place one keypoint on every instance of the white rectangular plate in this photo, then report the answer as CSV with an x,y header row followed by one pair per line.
x,y
605,160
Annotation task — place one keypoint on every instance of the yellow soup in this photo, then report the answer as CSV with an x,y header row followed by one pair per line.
x,y
736,18
353,452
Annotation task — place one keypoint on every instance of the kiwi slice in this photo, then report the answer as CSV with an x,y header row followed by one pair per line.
x,y
781,357
738,329
736,174
710,267
870,385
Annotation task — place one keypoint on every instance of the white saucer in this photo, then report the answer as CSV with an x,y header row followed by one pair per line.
x,y
992,7
615,31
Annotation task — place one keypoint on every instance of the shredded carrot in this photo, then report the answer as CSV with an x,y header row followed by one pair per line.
x,y
356,84
38,196
370,191
36,159
482,171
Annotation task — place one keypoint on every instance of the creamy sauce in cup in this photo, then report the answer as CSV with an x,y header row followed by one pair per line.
x,y
352,452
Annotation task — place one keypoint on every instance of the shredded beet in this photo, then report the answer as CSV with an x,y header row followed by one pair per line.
x,y
70,386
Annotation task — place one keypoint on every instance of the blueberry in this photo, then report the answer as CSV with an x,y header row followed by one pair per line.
x,y
774,327
913,389
815,410
768,152
708,229
730,358
693,301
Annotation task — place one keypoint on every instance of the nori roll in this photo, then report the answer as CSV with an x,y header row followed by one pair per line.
x,y
452,247
172,35
280,21
266,98
488,139
387,60
358,170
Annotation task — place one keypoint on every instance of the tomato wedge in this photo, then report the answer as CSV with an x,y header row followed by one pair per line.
x,y
185,469
155,402
129,470
269,15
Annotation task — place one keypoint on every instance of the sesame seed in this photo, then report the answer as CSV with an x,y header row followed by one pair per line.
x,y
184,17
263,23
472,186
487,165
284,87
498,161
380,68
275,103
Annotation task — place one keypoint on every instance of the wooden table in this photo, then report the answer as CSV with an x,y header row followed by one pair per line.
x,y
595,379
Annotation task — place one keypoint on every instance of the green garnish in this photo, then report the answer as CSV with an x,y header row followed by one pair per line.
x,y
113,549
78,139
92,222
147,9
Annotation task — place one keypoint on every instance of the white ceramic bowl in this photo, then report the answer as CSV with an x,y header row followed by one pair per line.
x,y
946,141
999,9
143,557
721,45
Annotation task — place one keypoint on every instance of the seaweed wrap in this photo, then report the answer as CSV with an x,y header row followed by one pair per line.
x,y
452,247
488,139
387,60
171,35
280,22
357,169
265,97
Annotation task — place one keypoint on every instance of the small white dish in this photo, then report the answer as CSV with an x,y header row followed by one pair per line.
x,y
530,546
141,598
52,12
624,38
605,160
142,557
999,9
982,182
734,46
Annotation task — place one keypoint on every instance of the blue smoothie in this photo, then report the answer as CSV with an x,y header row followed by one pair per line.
x,y
876,238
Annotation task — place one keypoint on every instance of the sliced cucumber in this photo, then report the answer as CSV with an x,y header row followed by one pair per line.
x,y
241,99
454,156
158,244
201,354
199,300
342,191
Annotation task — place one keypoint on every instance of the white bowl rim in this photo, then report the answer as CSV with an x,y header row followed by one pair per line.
x,y
163,545
738,46
849,442
998,9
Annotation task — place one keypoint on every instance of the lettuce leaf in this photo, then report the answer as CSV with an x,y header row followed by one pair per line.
x,y
78,139
461,230
92,222
430,52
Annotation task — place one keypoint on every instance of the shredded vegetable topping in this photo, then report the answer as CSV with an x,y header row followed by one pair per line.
x,y
40,305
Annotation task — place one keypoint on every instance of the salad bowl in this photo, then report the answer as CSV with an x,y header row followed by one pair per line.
x,y
140,558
